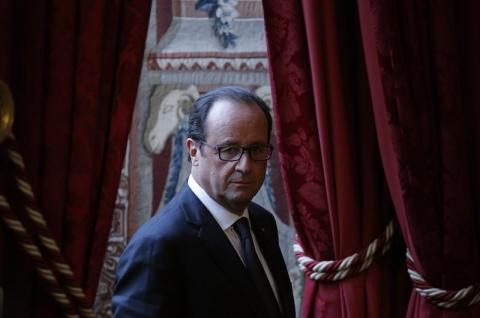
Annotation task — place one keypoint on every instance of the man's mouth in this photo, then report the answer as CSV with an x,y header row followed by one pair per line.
x,y
241,182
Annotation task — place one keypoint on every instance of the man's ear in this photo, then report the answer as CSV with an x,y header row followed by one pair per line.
x,y
193,151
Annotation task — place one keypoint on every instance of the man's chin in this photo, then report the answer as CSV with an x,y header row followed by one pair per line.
x,y
241,198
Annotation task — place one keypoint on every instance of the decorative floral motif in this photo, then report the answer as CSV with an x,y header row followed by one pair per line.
x,y
224,13
302,159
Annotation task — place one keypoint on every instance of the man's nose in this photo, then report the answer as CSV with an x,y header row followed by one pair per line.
x,y
245,162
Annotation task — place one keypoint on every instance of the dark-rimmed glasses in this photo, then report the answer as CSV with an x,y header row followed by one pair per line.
x,y
259,152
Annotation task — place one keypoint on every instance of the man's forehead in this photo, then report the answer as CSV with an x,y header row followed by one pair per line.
x,y
231,102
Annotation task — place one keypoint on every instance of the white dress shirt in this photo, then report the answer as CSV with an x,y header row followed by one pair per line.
x,y
226,219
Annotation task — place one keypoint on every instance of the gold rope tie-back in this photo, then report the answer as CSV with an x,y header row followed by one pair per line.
x,y
46,240
15,225
41,266
451,299
36,217
330,271
49,242
7,111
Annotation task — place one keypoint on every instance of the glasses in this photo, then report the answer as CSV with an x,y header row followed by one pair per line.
x,y
234,153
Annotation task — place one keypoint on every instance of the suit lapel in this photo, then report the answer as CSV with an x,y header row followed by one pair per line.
x,y
220,249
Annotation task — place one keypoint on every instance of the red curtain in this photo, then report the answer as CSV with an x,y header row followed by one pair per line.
x,y
73,68
329,154
423,67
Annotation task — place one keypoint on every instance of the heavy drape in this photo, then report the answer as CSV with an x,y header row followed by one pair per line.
x,y
329,154
423,70
73,68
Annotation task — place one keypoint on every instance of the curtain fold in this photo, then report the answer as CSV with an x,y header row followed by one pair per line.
x,y
424,71
329,154
73,69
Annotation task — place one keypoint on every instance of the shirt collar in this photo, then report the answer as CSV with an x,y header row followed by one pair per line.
x,y
223,217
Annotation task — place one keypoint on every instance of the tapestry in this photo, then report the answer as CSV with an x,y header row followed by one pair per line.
x,y
179,65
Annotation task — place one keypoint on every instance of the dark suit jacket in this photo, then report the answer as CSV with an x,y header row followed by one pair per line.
x,y
181,264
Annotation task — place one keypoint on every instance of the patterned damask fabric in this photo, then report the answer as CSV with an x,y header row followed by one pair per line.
x,y
422,62
296,131
329,154
73,68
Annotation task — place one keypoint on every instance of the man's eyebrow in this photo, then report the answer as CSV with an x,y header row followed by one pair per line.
x,y
232,143
260,143
228,141
228,144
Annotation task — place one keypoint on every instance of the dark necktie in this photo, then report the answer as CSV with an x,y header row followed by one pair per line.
x,y
255,269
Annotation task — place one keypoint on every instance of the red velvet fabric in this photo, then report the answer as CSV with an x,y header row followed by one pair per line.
x,y
423,70
73,67
329,154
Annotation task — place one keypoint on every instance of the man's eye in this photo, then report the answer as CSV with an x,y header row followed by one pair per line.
x,y
257,149
229,150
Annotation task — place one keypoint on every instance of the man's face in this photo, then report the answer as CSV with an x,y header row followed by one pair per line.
x,y
233,184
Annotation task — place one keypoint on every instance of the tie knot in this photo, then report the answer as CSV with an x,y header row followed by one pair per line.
x,y
242,228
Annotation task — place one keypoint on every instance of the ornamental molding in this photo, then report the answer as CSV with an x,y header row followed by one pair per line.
x,y
243,64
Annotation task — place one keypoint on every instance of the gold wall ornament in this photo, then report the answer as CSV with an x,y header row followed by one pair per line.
x,y
6,111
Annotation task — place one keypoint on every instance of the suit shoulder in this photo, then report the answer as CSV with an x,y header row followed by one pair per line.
x,y
260,211
166,223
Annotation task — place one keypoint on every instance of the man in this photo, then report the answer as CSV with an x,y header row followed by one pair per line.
x,y
198,257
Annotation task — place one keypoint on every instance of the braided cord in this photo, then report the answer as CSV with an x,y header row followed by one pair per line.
x,y
330,271
43,268
46,240
451,299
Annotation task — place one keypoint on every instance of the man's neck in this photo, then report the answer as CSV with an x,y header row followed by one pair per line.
x,y
233,208
224,215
